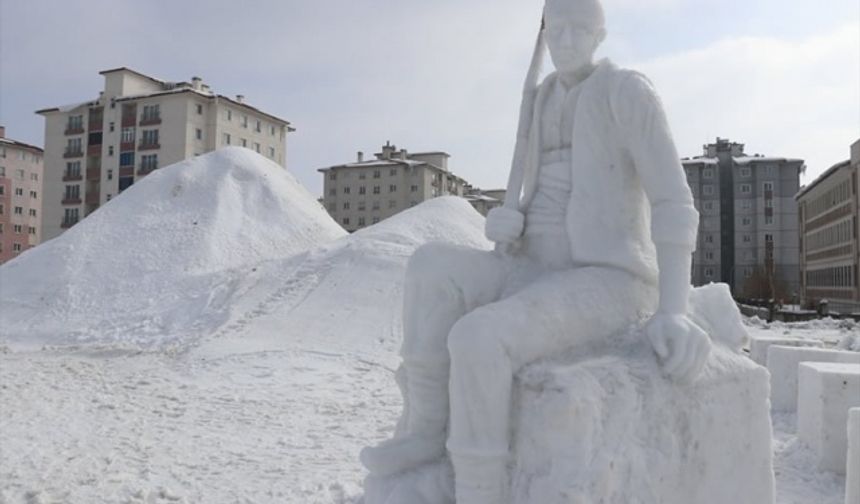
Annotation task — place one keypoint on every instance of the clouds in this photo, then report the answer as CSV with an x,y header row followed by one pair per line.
x,y
447,74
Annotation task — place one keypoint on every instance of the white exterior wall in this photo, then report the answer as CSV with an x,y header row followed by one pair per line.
x,y
55,166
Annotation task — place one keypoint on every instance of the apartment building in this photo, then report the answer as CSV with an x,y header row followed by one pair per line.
x,y
830,236
20,196
748,230
485,200
96,149
365,192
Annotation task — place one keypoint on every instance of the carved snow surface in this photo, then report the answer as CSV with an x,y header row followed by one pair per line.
x,y
611,429
162,259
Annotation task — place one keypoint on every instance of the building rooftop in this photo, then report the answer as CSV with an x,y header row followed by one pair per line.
x,y
700,160
830,171
742,160
8,142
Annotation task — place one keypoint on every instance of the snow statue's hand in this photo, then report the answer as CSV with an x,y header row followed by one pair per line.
x,y
682,346
504,225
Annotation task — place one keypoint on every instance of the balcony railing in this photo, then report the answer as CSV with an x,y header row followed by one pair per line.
x,y
92,198
72,201
126,171
72,177
93,174
74,130
67,223
149,121
95,127
94,150
73,153
126,146
148,146
128,121
144,170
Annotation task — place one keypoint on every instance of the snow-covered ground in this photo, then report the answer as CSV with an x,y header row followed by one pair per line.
x,y
261,390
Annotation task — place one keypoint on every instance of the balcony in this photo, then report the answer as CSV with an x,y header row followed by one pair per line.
x,y
126,171
92,198
72,177
93,174
72,201
126,146
95,127
74,130
94,150
67,223
148,146
129,121
149,121
68,154
146,170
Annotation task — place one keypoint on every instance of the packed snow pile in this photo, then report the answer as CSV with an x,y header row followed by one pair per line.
x,y
161,260
348,294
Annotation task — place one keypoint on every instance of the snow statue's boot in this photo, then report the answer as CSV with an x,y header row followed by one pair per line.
x,y
424,426
480,479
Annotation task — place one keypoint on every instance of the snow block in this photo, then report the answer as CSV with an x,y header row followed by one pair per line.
x,y
852,481
760,344
613,430
826,391
782,362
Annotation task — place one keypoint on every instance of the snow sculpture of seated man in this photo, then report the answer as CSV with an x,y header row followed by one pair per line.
x,y
598,230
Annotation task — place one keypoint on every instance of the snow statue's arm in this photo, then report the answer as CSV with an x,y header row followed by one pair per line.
x,y
681,345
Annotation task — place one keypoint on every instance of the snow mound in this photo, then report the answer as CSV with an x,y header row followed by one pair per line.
x,y
160,261
348,295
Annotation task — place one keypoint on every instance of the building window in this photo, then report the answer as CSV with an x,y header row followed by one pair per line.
x,y
76,123
199,133
362,206
768,220
32,212
19,210
127,135
708,173
73,192
746,204
244,142
709,272
149,162
746,188
34,194
257,147
376,189
361,221
225,140
747,238
70,216
345,221
111,126
332,176
151,113
19,174
377,173
746,172
414,188
199,109
272,130
258,127
126,159
244,121
709,238
229,114
392,203
17,228
110,174
392,188
362,176
332,192
392,172
110,150
746,221
19,191
73,146
16,247
150,138
709,205
376,220
272,152
125,183
709,256
73,169
362,190
31,230
767,186
346,190
346,205
708,190
375,205
34,177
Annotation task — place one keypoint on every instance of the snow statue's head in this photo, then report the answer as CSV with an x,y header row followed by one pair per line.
x,y
573,29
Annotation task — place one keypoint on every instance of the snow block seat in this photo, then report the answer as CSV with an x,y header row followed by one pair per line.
x,y
759,345
782,362
852,478
612,429
826,391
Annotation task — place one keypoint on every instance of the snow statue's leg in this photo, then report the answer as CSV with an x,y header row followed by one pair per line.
x,y
568,309
443,282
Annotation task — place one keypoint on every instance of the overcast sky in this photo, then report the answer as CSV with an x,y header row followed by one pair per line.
x,y
781,76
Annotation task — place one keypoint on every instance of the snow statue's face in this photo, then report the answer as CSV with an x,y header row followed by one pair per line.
x,y
573,30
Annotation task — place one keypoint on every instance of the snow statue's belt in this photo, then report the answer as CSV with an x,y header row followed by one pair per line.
x,y
611,429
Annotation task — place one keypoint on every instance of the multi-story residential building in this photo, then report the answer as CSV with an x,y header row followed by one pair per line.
x,y
363,193
96,149
485,200
20,196
748,232
830,236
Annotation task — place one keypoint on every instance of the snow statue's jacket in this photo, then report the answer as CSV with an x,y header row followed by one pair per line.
x,y
625,172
